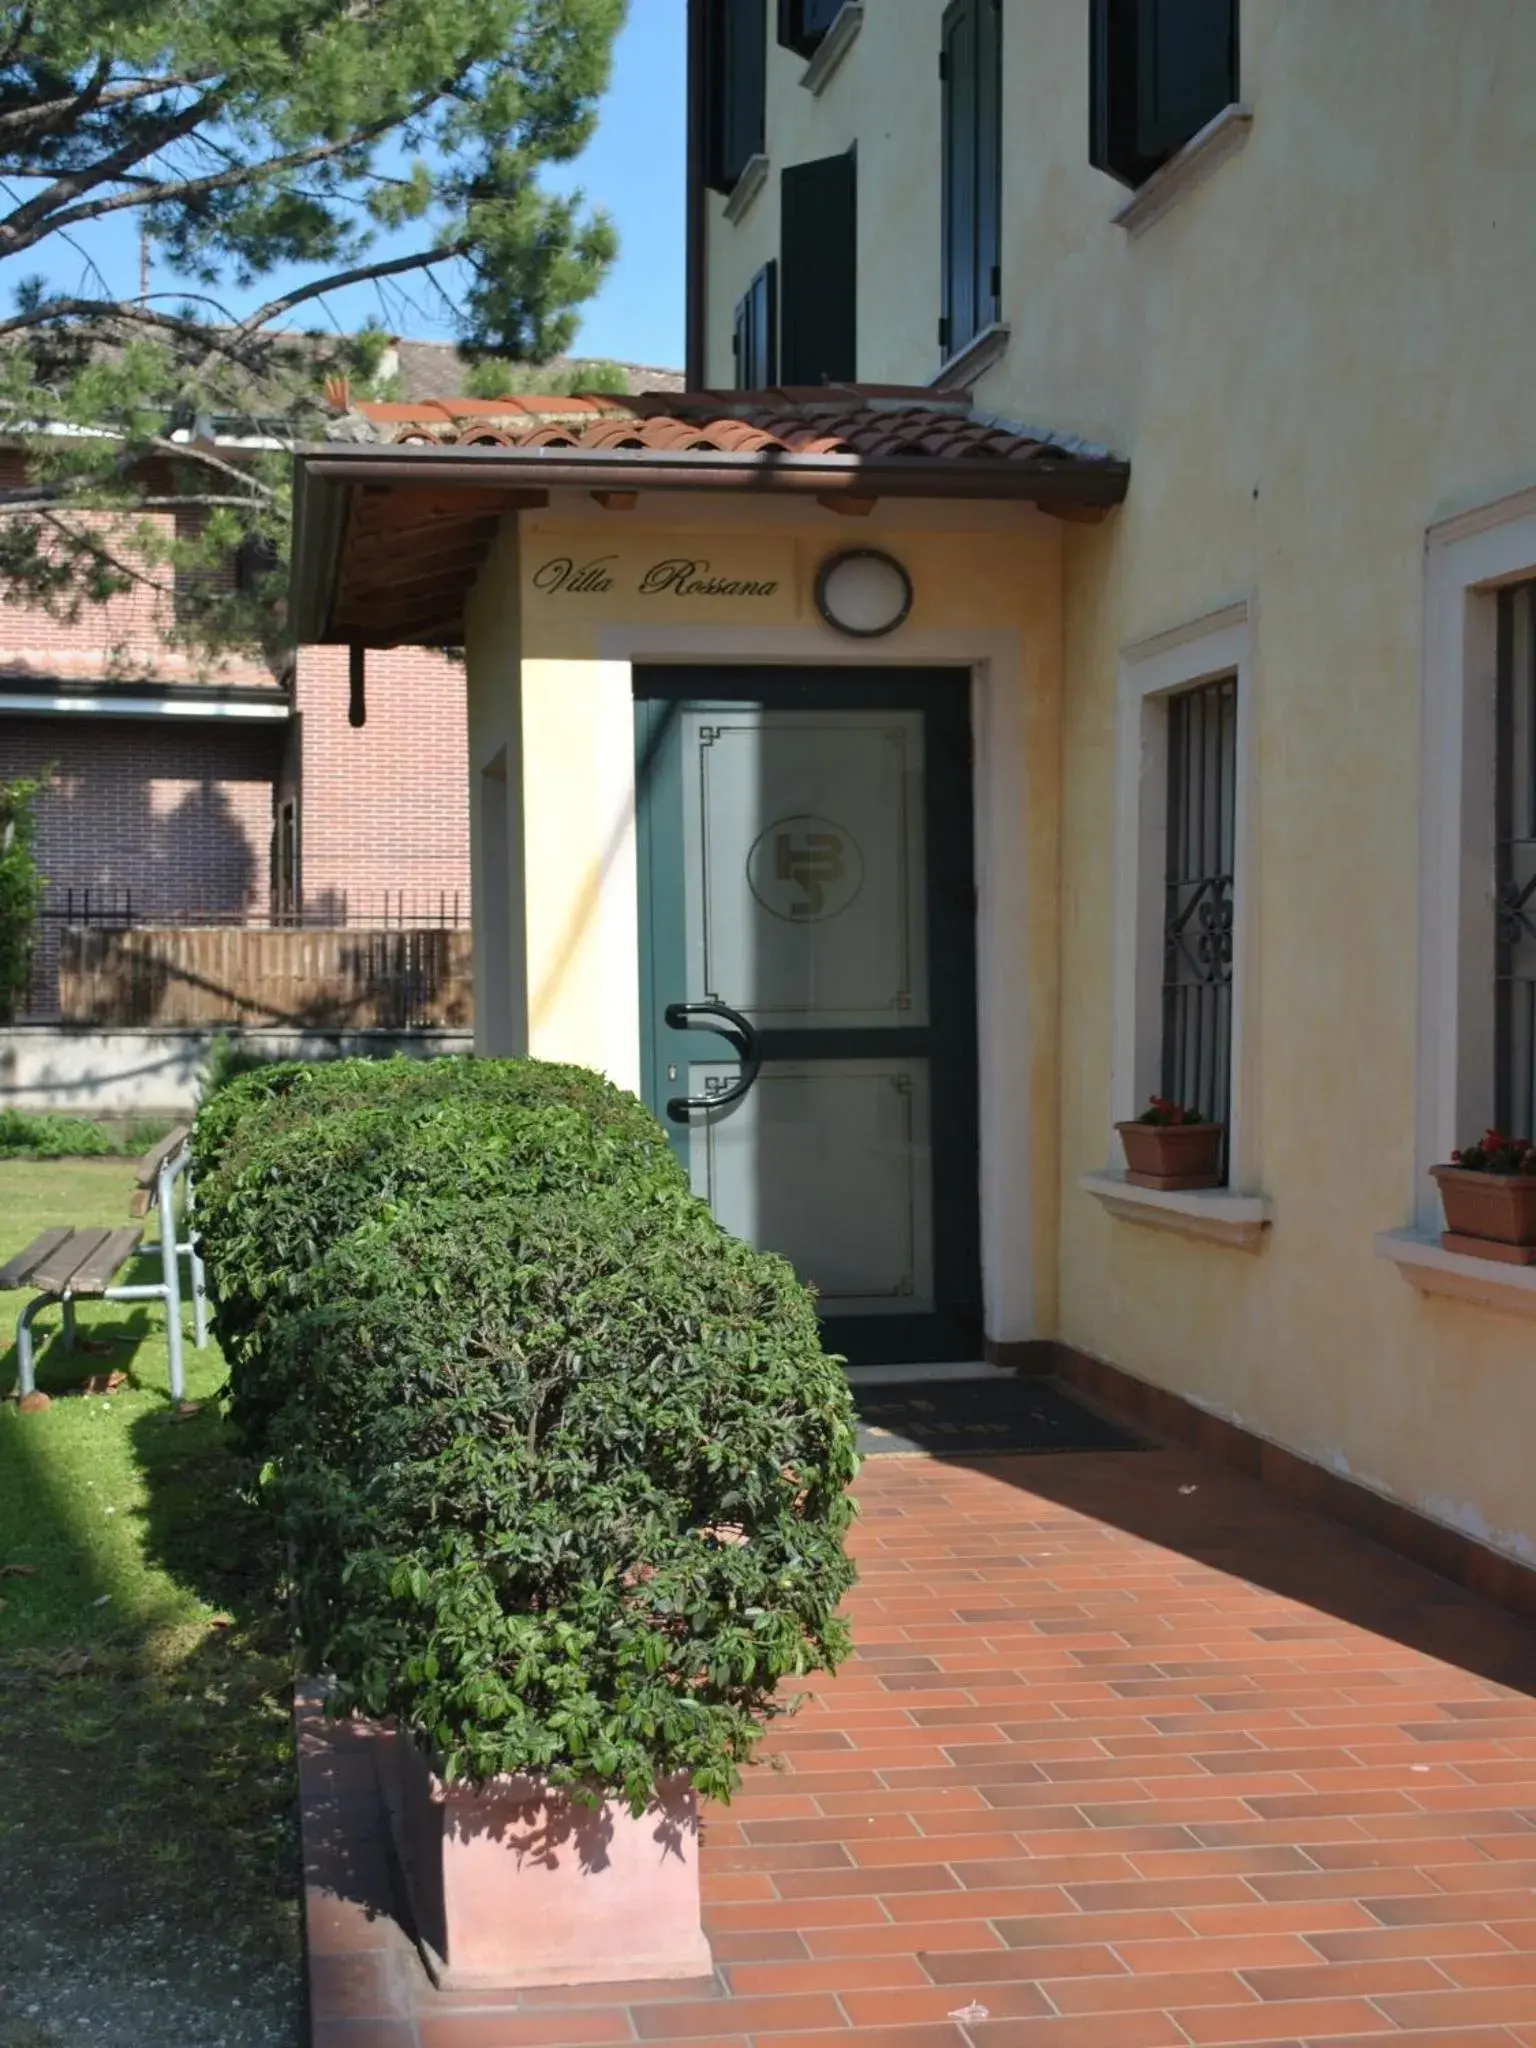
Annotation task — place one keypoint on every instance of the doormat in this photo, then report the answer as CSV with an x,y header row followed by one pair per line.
x,y
964,1418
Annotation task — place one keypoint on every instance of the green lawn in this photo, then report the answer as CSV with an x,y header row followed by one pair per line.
x,y
146,1756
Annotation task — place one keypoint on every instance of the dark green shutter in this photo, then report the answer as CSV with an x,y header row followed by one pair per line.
x,y
803,23
736,87
989,161
1186,63
756,339
970,71
1159,70
818,281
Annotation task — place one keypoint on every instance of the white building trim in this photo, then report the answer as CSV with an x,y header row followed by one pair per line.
x,y
1217,644
1466,559
116,704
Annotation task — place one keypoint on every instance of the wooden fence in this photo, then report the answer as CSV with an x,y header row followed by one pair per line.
x,y
320,978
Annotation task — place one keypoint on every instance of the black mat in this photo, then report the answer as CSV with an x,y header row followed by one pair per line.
x,y
961,1418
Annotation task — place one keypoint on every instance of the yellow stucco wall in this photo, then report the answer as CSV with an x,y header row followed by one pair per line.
x,y
1315,354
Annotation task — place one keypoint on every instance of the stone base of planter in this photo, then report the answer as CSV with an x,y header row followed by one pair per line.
x,y
512,1885
1488,1248
1172,1180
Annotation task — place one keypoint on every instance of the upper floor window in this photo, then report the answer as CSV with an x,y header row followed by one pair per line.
x,y
803,23
735,62
818,272
756,338
971,77
1160,70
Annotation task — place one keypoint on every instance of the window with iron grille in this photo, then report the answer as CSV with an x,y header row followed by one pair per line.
x,y
1514,1090
1196,1064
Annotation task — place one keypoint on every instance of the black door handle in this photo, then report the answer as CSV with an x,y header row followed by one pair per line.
x,y
743,1040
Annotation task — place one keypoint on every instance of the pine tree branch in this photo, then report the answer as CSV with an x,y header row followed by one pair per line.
x,y
41,215
364,273
23,122
92,544
35,226
129,312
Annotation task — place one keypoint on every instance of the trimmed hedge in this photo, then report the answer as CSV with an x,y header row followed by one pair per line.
x,y
563,1467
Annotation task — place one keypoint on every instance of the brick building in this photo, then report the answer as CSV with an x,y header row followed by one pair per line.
x,y
237,794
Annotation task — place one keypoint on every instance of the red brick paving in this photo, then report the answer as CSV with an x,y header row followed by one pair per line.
x,y
1131,1754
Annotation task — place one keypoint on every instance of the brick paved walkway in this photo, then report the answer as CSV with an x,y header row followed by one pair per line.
x,y
1131,1755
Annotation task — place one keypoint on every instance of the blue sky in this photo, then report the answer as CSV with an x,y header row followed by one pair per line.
x,y
633,169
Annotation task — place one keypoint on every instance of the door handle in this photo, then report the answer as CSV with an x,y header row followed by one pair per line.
x,y
743,1039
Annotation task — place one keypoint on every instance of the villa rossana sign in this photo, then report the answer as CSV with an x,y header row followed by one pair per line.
x,y
679,575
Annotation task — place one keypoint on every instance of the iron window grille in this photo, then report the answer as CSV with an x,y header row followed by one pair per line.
x,y
1196,1065
1514,1091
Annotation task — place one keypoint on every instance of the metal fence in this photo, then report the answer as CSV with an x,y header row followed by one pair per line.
x,y
389,979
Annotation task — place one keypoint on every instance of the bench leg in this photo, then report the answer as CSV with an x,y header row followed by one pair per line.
x,y
195,1268
69,1322
170,1274
26,1381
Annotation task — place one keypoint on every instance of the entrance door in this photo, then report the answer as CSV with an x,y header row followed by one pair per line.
x,y
809,981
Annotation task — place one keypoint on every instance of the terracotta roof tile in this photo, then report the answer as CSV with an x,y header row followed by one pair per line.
x,y
877,422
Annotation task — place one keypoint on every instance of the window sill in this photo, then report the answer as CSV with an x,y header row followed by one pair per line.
x,y
834,46
1425,1264
1220,138
1215,1215
973,361
754,176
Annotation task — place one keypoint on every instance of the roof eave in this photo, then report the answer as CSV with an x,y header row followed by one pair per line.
x,y
1040,480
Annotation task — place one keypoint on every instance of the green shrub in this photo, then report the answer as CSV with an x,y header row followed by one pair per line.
x,y
23,1136
563,1467
21,887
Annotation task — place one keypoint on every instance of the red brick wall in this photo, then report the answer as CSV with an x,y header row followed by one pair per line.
x,y
126,636
384,809
180,812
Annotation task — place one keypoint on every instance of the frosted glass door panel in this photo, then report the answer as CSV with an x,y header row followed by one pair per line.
x,y
805,903
828,1162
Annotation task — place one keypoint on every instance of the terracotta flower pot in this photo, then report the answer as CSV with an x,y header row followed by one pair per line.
x,y
1488,1215
514,1884
1172,1155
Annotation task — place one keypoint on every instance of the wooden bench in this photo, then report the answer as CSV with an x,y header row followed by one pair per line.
x,y
67,1266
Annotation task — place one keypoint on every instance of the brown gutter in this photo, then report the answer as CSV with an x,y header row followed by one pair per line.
x,y
695,328
1040,480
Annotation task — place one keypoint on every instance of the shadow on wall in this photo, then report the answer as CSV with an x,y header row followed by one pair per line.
x,y
106,834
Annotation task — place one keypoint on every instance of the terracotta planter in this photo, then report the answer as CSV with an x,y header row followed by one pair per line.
x,y
512,1884
1489,1215
1172,1155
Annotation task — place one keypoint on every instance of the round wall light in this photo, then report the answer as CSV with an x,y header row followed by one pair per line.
x,y
863,592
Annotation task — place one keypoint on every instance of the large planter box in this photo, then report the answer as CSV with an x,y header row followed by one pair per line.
x,y
512,1884
1172,1155
1489,1215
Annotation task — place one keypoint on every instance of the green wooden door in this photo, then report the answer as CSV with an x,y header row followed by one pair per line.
x,y
808,981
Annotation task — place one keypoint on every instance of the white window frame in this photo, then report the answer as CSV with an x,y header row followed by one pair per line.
x,y
1151,671
1468,559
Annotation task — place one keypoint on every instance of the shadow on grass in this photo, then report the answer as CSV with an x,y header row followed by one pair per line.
x,y
146,1773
